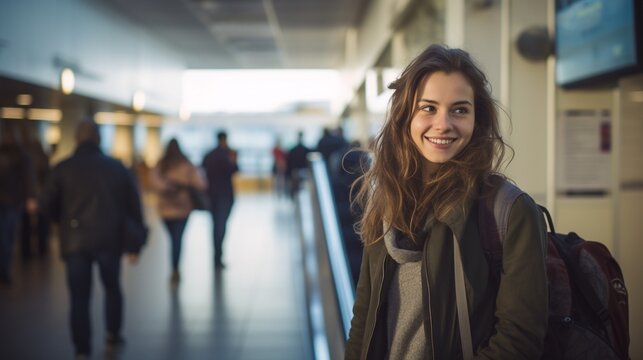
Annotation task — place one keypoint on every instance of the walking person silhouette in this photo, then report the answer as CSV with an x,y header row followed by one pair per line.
x,y
220,165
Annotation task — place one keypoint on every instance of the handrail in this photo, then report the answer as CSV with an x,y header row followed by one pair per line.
x,y
336,252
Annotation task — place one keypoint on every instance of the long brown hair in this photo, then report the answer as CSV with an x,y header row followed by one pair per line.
x,y
172,157
393,191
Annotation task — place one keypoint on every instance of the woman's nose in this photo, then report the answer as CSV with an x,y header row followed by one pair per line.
x,y
442,121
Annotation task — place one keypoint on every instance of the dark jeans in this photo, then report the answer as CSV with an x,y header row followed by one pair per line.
x,y
176,227
8,222
42,233
220,211
79,280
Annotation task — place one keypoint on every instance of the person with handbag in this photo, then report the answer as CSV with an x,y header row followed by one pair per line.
x,y
172,178
431,166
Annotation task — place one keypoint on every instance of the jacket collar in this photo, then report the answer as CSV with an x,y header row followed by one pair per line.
x,y
87,148
456,221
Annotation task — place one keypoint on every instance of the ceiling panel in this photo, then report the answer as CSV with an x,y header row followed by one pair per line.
x,y
248,33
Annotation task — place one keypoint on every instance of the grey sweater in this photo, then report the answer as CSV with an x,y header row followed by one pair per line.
x,y
406,337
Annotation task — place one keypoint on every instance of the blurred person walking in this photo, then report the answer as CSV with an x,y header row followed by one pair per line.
x,y
173,177
331,142
279,168
37,220
296,161
220,165
94,200
16,194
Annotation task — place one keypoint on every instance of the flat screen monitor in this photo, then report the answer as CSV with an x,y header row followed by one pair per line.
x,y
596,40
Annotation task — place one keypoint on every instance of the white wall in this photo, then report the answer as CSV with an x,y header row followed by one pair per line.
x,y
527,95
481,40
115,56
524,98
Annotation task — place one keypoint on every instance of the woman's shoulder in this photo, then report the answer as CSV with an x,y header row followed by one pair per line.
x,y
503,196
375,250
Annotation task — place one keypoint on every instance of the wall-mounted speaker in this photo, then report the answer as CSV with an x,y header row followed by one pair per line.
x,y
534,43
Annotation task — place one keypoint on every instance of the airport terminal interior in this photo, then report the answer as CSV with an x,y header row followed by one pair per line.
x,y
278,76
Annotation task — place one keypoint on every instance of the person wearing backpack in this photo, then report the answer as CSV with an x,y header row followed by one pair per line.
x,y
426,288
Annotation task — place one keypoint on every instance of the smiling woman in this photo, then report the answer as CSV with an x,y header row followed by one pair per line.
x,y
444,123
432,165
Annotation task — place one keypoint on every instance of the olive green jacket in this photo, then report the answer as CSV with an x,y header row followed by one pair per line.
x,y
508,321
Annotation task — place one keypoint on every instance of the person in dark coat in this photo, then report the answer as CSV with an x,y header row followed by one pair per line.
x,y
346,168
296,161
16,194
330,143
93,198
220,165
36,221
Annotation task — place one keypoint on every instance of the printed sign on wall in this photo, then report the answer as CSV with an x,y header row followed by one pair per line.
x,y
584,151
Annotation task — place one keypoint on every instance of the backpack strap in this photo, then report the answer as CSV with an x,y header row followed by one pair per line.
x,y
505,198
493,210
493,219
461,303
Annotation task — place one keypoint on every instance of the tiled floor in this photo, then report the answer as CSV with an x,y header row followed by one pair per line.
x,y
253,309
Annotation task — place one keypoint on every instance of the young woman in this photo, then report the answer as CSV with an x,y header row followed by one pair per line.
x,y
172,177
431,162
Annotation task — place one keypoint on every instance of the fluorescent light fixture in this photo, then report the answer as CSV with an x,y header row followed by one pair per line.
x,y
13,113
53,115
52,134
113,118
67,81
24,100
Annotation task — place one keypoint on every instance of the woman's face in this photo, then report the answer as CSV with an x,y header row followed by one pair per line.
x,y
444,119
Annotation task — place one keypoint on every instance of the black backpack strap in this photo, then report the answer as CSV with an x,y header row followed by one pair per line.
x,y
493,219
505,198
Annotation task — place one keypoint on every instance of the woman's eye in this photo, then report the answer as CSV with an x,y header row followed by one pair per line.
x,y
461,111
429,108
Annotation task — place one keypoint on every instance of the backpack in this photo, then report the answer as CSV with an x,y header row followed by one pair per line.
x,y
588,302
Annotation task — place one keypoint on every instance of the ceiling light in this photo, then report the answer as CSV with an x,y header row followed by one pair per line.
x,y
138,101
54,115
113,118
24,100
67,81
12,113
52,135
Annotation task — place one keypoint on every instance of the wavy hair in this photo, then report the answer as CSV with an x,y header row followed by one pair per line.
x,y
393,191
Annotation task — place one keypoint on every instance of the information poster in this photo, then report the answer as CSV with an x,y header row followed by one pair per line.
x,y
584,152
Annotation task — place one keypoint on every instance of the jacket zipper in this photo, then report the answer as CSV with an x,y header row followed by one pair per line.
x,y
428,287
377,308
